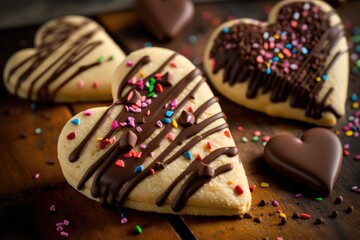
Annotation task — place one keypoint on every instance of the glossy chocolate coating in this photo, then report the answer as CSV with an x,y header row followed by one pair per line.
x,y
314,160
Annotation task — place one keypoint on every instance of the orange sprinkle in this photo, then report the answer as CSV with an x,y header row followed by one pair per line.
x,y
227,133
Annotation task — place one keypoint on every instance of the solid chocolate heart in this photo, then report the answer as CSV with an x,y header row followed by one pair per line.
x,y
314,160
165,18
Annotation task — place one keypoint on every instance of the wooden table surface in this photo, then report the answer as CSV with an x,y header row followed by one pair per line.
x,y
25,201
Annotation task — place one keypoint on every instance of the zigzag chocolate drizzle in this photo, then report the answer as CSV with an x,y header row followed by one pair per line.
x,y
53,38
286,58
113,184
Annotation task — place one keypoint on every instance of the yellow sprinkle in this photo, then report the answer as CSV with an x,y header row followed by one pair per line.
x,y
280,55
142,73
276,36
318,79
282,215
355,105
268,65
174,123
230,182
349,133
264,185
337,132
99,139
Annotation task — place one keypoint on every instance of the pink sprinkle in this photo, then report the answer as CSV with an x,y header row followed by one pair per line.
x,y
159,123
166,105
59,224
346,128
266,138
279,238
143,105
147,112
298,195
170,136
240,128
257,133
268,55
304,27
87,112
96,84
148,101
64,234
112,140
132,124
120,163
59,228
132,81
123,220
129,63
81,84
354,188
259,59
142,146
346,146
255,45
357,157
37,175
114,125
123,124
138,129
262,52
294,23
272,45
173,64
174,103
266,45
275,203
66,222
52,208
305,13
356,134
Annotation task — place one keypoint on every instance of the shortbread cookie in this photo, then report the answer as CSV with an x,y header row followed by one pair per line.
x,y
73,60
293,66
162,146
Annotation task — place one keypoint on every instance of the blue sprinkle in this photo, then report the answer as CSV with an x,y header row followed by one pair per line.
x,y
288,45
355,128
188,155
169,113
284,33
226,30
33,106
192,39
304,50
138,169
357,49
276,58
351,118
354,97
293,50
324,77
37,131
268,71
75,121
147,44
167,120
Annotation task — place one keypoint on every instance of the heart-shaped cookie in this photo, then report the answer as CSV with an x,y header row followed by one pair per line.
x,y
73,60
314,160
293,66
162,146
165,18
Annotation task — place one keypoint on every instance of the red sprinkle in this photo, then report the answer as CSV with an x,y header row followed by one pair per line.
x,y
96,84
208,145
170,136
158,88
305,216
173,64
252,188
191,109
227,133
120,163
346,152
71,136
257,133
152,171
198,157
240,128
239,190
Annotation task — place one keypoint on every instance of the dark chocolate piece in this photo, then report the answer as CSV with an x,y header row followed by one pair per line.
x,y
165,18
128,141
314,160
167,79
206,171
133,97
186,118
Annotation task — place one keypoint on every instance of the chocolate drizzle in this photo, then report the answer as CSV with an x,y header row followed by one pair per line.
x,y
53,38
286,59
113,184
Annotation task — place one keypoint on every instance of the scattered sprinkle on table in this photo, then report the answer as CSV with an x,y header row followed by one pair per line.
x,y
37,131
264,185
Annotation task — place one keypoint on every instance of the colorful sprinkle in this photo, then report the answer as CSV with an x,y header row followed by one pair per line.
x,y
255,139
226,30
87,112
188,155
101,59
339,200
114,125
139,168
298,195
252,188
275,203
173,64
208,146
37,131
159,124
244,139
170,136
96,84
174,123
52,208
138,229
167,120
75,121
264,185
71,136
37,176
64,234
238,189
227,133
120,163
123,220
305,216
318,199
129,63
199,157
81,84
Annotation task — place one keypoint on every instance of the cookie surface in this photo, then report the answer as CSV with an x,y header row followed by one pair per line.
x,y
163,146
73,60
293,66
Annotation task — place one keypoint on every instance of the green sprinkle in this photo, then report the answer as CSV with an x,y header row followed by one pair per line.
x,y
264,144
358,63
355,38
152,81
255,138
138,229
319,199
101,59
38,131
111,57
244,139
151,94
151,88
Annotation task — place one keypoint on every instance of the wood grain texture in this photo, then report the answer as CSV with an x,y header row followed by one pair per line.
x,y
24,202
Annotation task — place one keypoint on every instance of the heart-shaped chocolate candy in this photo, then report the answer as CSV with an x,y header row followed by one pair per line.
x,y
165,18
314,160
73,60
293,66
